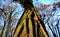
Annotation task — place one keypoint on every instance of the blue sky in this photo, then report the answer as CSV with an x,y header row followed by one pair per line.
x,y
37,2
48,1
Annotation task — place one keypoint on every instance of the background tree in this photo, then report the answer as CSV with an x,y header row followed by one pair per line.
x,y
9,13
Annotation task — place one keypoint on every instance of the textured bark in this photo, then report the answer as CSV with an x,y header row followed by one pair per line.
x,y
30,25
